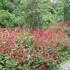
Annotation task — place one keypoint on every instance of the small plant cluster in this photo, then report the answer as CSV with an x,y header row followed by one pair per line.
x,y
34,49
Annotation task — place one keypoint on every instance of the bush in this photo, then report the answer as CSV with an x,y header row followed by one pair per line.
x,y
8,19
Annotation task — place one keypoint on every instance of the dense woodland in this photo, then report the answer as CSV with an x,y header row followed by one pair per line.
x,y
31,12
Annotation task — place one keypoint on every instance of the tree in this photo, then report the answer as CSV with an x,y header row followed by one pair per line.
x,y
67,12
36,13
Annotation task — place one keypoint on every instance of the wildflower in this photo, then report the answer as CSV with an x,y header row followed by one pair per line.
x,y
12,53
44,58
44,66
51,58
58,62
20,52
2,49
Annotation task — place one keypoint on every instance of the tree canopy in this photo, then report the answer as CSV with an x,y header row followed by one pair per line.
x,y
30,12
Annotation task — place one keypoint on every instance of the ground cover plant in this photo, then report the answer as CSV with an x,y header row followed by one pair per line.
x,y
32,49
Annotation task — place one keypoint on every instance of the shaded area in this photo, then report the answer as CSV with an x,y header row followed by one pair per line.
x,y
31,13
67,12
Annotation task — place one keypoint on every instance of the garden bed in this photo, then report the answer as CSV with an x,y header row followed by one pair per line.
x,y
34,49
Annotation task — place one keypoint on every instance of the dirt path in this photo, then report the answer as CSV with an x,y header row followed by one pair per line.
x,y
65,65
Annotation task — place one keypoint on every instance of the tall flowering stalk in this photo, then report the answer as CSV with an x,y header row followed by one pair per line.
x,y
32,49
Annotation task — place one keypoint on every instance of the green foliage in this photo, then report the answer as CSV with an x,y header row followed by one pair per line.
x,y
67,10
30,12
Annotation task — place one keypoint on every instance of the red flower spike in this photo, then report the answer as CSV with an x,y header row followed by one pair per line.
x,y
12,53
2,49
58,62
20,52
